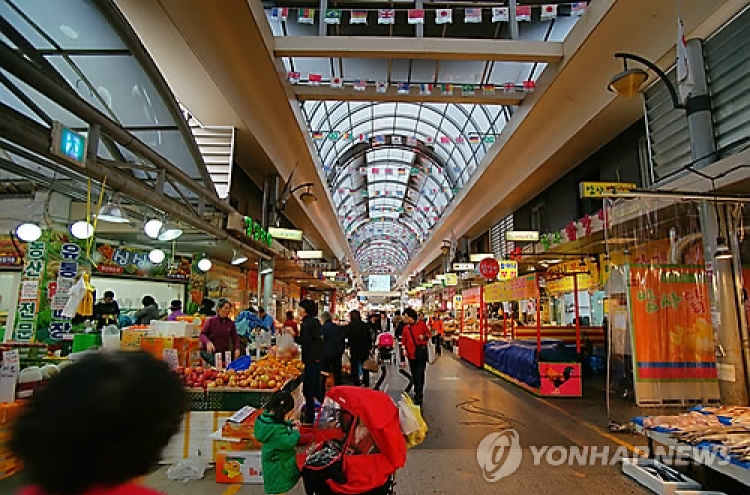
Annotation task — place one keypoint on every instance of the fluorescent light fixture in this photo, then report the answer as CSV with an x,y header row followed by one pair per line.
x,y
113,212
554,262
82,230
286,234
156,256
436,281
205,264
522,236
330,274
440,276
309,255
152,228
29,232
722,251
477,257
266,271
463,267
238,258
170,232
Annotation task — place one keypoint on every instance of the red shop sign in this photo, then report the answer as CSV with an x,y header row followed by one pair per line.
x,y
489,268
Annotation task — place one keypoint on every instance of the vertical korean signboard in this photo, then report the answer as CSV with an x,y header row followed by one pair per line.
x,y
31,283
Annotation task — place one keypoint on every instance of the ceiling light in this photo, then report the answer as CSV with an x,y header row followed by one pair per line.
x,y
156,256
307,198
205,264
266,271
238,258
152,228
29,232
722,251
170,232
82,230
113,212
628,83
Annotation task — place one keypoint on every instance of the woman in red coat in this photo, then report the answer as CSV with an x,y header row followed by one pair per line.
x,y
415,338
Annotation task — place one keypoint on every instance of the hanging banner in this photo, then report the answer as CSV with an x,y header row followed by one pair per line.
x,y
587,280
472,296
512,290
121,260
9,255
671,322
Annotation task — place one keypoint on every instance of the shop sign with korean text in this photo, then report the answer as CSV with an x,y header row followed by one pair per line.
x,y
508,270
604,189
489,268
122,260
472,296
588,277
512,290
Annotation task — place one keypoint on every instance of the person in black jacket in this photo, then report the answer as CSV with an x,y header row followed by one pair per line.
x,y
311,341
333,346
360,343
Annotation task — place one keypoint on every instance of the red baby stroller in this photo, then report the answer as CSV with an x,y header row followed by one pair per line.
x,y
357,445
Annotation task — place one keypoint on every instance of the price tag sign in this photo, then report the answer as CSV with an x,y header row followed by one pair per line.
x,y
9,376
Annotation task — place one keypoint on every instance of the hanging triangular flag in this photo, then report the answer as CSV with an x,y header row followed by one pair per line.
x,y
333,16
488,89
473,15
444,16
358,17
381,87
447,89
578,8
337,82
294,77
467,90
523,13
306,16
314,79
279,13
549,12
425,89
360,84
403,88
529,86
416,16
386,16
500,14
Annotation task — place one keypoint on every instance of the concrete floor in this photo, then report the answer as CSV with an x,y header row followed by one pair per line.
x,y
462,406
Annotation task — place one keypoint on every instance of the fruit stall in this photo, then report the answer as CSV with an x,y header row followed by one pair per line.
x,y
473,331
543,366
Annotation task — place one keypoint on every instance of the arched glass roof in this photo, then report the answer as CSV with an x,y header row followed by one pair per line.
x,y
393,168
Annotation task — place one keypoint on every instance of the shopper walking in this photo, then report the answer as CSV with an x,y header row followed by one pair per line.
x,y
176,310
438,330
150,311
139,404
360,344
333,346
278,438
219,334
311,341
415,339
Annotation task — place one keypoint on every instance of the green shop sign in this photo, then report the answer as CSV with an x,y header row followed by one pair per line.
x,y
256,232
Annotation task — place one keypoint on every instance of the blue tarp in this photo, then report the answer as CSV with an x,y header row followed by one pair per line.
x,y
518,358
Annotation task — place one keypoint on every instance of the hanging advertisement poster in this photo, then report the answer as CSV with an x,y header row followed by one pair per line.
x,y
11,253
122,260
671,322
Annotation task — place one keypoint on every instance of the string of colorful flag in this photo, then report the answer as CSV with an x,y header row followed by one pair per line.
x,y
472,15
447,89
410,141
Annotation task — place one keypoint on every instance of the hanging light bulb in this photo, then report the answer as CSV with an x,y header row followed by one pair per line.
x,y
152,228
28,232
82,229
156,256
205,264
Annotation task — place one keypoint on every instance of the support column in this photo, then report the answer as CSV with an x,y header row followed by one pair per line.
x,y
322,26
721,285
419,4
512,20
270,216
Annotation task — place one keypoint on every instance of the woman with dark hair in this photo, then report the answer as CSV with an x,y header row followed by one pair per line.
x,y
219,334
149,312
137,405
207,308
360,344
415,338
311,341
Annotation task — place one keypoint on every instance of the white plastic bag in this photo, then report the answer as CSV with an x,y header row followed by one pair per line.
x,y
346,360
431,354
185,470
408,421
284,342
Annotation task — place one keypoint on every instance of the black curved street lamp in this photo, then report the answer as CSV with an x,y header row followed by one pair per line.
x,y
629,82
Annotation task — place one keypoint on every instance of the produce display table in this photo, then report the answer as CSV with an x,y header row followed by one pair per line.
x,y
233,399
739,471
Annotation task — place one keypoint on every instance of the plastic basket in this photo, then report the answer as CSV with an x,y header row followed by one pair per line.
x,y
197,400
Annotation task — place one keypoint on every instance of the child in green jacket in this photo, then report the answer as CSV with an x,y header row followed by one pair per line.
x,y
279,437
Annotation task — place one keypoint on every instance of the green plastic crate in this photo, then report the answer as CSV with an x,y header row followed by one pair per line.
x,y
85,341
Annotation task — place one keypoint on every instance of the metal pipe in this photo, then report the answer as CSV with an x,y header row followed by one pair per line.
x,y
34,137
512,19
36,79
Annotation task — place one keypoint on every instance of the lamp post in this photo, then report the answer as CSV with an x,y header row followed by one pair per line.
x,y
732,342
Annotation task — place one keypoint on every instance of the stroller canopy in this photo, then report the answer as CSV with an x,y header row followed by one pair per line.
x,y
380,415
